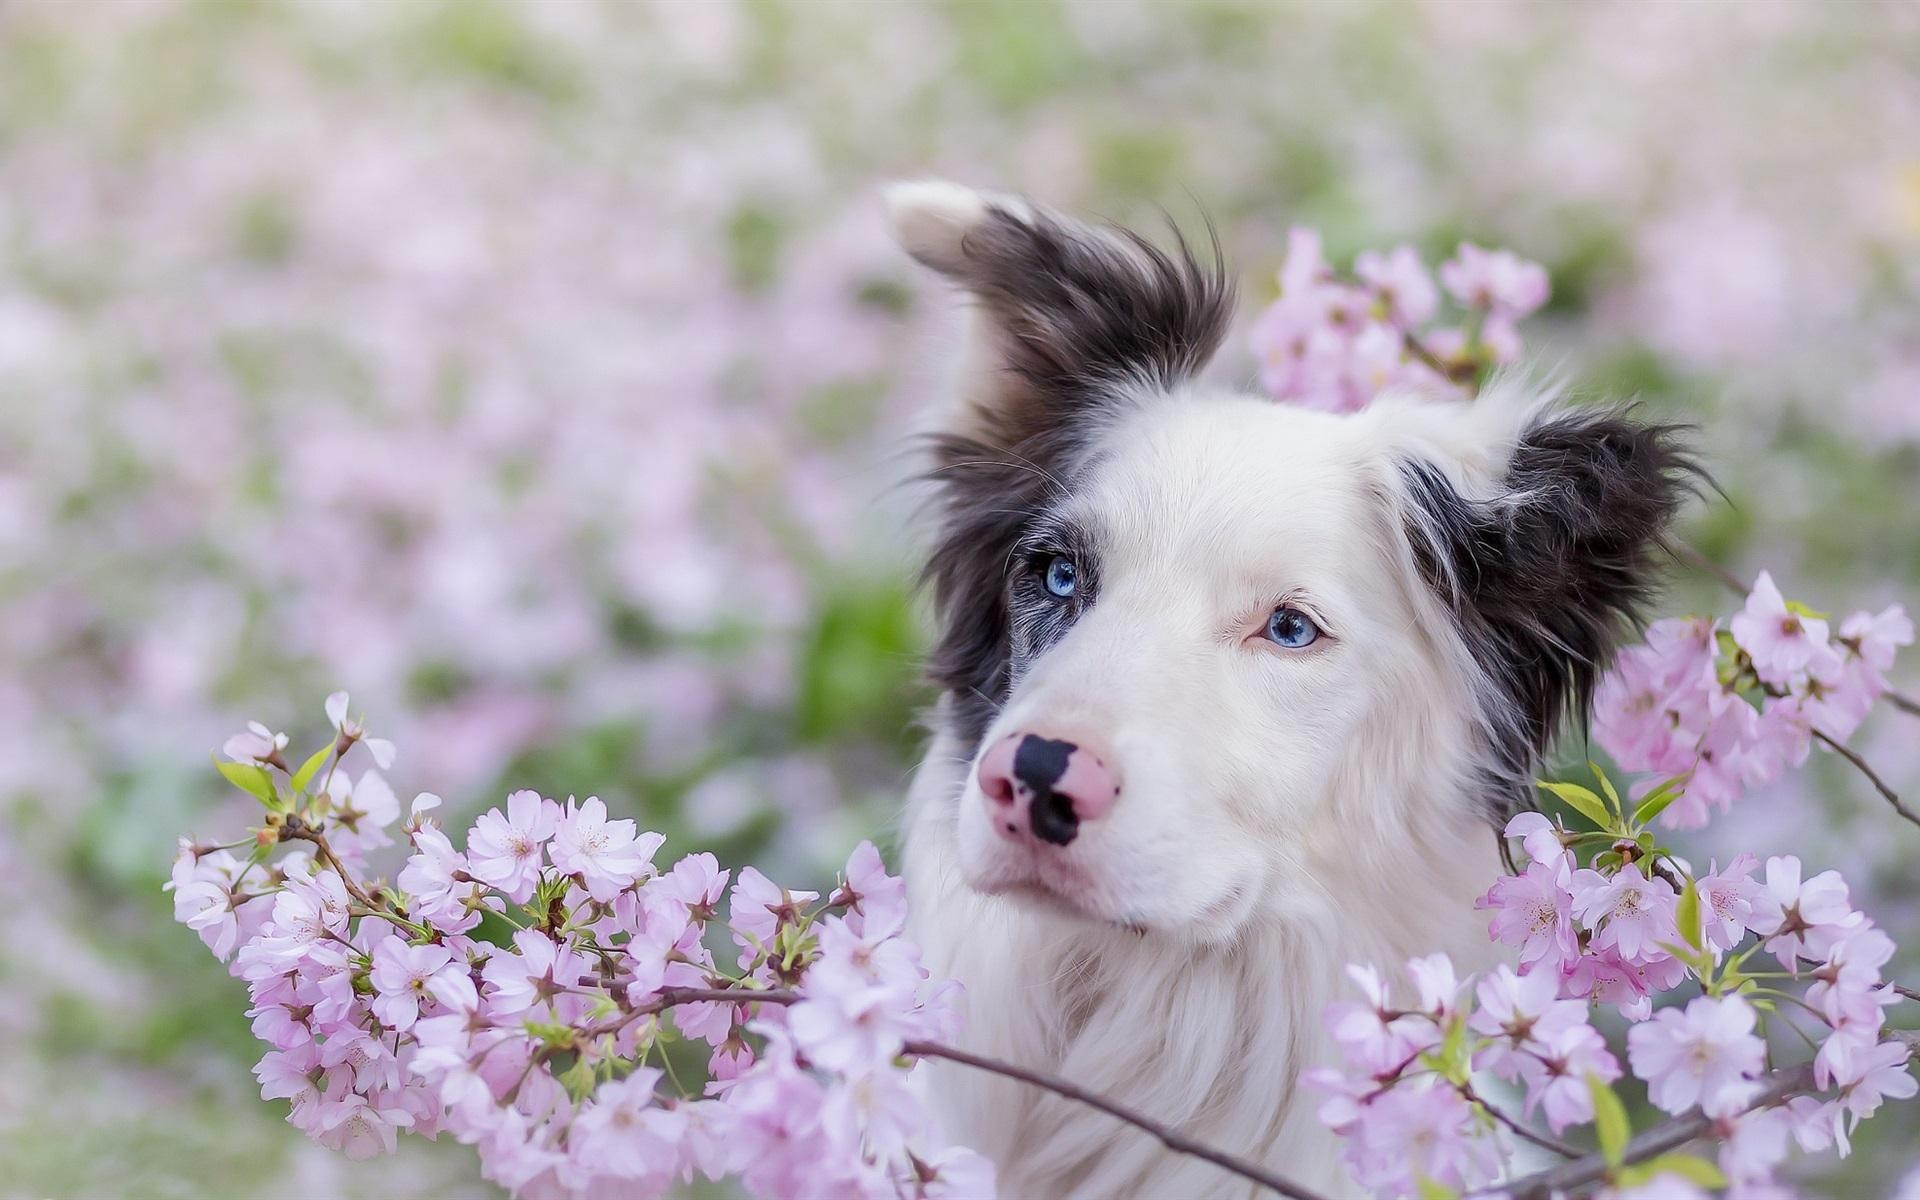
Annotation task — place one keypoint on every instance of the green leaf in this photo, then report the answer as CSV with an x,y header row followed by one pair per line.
x,y
1800,610
1583,801
252,780
1606,785
1610,1122
1658,800
1432,1190
310,768
1700,963
1689,1167
493,929
1687,915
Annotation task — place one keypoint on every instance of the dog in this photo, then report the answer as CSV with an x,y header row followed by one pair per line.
x,y
1231,692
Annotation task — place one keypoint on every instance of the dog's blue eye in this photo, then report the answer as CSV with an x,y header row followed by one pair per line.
x,y
1291,628
1062,576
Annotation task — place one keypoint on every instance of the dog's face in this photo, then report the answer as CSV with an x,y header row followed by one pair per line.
x,y
1201,644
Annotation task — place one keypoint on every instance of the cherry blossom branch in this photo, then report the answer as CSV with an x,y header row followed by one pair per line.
x,y
1452,372
1880,785
298,830
1570,1179
1169,1137
1740,587
1544,1141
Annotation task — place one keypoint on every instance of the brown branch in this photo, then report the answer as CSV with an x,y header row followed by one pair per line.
x,y
1570,1179
1880,785
1451,372
297,830
1169,1137
1545,1142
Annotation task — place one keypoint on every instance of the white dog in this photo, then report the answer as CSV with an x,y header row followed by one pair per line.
x,y
1231,693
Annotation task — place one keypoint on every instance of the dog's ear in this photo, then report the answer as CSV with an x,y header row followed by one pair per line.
x,y
1070,316
1071,323
1546,548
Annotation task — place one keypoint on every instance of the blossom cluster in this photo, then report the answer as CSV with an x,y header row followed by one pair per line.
x,y
1607,916
1722,709
1335,343
538,993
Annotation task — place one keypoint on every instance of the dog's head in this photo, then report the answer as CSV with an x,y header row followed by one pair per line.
x,y
1201,646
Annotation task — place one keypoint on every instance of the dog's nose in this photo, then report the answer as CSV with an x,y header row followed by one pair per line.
x,y
1037,786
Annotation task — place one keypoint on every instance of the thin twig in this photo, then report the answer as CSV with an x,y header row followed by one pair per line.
x,y
1169,1137
1880,785
1544,1141
1700,562
1570,1178
1451,372
300,831
1172,1139
1573,1178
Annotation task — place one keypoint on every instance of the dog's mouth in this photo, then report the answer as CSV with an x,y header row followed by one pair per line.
x,y
1035,891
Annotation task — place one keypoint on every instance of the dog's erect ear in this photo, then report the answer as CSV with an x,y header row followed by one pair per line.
x,y
1070,315
1072,322
1547,562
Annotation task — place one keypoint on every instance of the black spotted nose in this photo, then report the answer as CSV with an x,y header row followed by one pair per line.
x,y
1044,787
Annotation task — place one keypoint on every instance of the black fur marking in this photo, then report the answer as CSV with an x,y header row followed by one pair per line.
x,y
1040,763
1544,577
1078,316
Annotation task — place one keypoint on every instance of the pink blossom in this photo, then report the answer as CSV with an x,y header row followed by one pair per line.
x,y
1801,920
1556,1068
757,909
1667,1185
858,1000
1539,837
1874,638
1630,912
1781,642
504,851
352,730
1707,1055
960,1174
1534,911
1402,283
289,1075
1726,901
697,882
876,901
608,855
1412,1132
362,810
623,1132
255,744
1757,1145
1865,1071
1628,985
1374,1036
540,970
401,974
1497,281
359,1127
438,886
1847,988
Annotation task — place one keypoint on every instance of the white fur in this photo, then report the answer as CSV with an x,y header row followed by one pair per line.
x,y
1283,812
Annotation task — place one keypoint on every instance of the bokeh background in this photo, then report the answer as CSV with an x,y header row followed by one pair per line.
x,y
541,373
